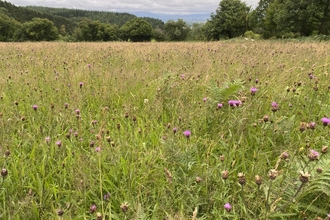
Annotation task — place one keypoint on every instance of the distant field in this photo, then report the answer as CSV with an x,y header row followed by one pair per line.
x,y
220,130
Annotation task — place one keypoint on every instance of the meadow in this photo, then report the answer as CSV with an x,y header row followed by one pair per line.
x,y
213,130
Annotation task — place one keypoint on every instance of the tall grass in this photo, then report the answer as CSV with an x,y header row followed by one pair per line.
x,y
95,130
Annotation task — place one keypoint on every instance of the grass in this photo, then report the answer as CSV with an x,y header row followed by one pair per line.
x,y
95,130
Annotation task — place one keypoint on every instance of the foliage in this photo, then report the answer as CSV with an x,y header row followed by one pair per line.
x,y
176,30
136,30
89,30
229,21
9,27
39,29
196,32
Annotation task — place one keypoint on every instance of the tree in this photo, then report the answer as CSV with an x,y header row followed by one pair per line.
x,y
297,17
196,33
176,30
39,29
8,27
137,30
108,32
230,20
258,15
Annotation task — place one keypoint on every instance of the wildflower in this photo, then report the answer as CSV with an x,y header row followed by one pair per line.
x,y
324,149
92,209
80,84
106,196
228,207
274,106
225,174
311,125
272,174
77,111
187,133
325,121
35,107
241,178
4,172
253,90
205,99
60,212
284,155
313,155
47,139
266,118
92,144
59,143
124,207
98,216
234,103
66,105
198,179
175,130
304,177
220,105
222,158
303,126
98,149
258,180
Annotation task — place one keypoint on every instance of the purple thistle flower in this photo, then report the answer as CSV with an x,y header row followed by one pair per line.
x,y
59,143
187,133
313,155
204,99
35,107
253,90
220,105
66,105
106,196
228,207
274,105
175,130
92,209
77,111
325,121
98,149
234,103
81,84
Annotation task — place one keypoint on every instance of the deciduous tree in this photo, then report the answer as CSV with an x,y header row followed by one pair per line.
x,y
137,30
230,20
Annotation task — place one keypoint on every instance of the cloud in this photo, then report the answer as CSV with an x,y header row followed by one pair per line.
x,y
155,6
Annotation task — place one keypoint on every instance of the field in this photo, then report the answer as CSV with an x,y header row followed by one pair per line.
x,y
221,130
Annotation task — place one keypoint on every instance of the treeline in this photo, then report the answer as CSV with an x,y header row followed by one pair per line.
x,y
233,18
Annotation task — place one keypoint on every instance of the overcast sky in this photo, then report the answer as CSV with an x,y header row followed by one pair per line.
x,y
155,6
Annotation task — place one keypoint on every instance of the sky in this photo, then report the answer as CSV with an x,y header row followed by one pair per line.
x,y
153,6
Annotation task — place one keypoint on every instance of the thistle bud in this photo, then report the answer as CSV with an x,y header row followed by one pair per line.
x,y
241,178
304,177
225,174
272,174
258,180
124,207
